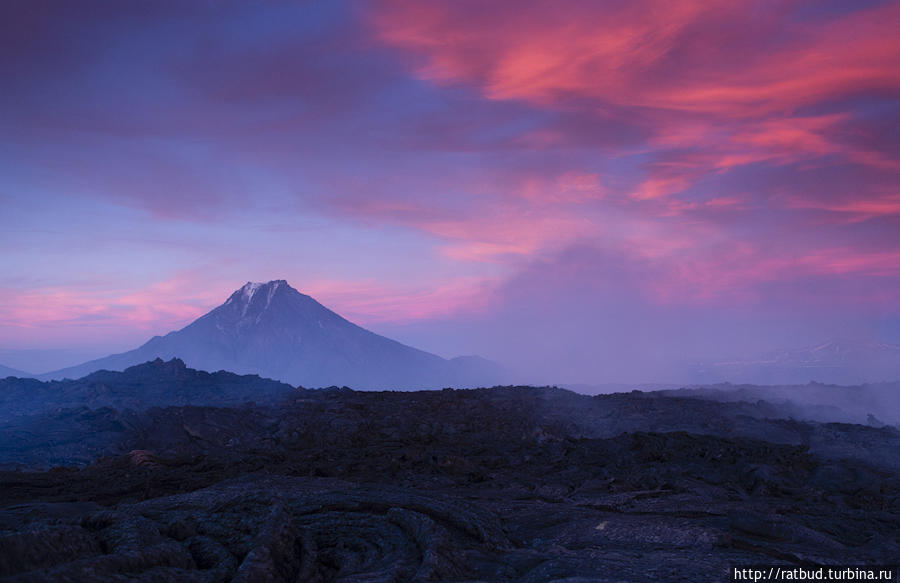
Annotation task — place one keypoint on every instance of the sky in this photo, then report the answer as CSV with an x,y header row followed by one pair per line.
x,y
584,191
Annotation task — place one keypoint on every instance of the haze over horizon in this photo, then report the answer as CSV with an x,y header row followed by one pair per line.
x,y
584,191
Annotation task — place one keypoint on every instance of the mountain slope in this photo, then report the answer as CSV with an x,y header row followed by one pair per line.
x,y
5,371
273,330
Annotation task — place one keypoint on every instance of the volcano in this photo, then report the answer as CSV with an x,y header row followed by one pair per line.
x,y
273,330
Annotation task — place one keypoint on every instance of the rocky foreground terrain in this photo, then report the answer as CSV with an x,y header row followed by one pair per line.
x,y
503,484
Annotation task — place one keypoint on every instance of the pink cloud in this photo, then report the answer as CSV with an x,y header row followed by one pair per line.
x,y
569,187
504,213
724,274
650,53
504,231
99,308
710,101
370,302
742,271
855,207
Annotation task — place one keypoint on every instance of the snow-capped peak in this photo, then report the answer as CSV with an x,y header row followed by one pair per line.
x,y
273,287
244,296
249,290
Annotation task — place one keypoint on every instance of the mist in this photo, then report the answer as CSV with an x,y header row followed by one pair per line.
x,y
585,317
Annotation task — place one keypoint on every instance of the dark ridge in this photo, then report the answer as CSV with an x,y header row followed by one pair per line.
x,y
152,384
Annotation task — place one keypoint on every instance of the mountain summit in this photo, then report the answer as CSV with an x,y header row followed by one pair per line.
x,y
272,330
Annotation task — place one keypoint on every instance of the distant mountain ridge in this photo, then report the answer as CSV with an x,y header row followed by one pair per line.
x,y
839,361
5,371
272,330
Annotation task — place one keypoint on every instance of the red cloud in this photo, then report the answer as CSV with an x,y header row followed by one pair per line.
x,y
715,84
730,58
